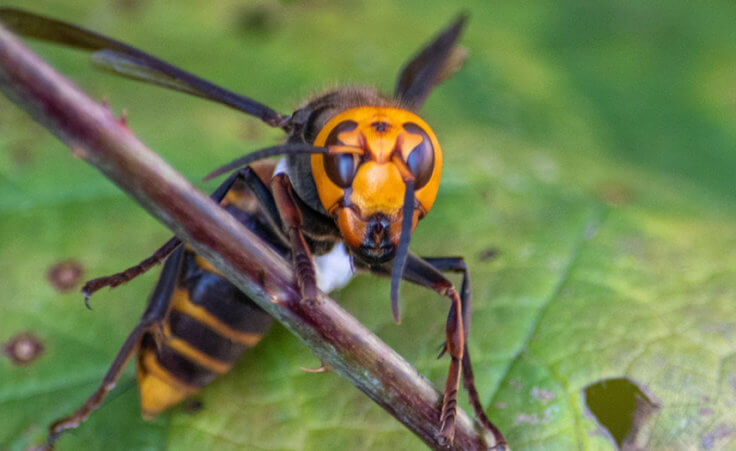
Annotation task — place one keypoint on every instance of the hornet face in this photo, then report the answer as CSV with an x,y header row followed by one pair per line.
x,y
363,187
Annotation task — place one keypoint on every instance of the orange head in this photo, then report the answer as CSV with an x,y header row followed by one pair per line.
x,y
361,182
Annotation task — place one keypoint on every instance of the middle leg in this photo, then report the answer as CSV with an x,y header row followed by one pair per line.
x,y
259,189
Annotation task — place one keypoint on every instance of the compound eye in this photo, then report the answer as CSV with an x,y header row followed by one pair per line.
x,y
421,157
340,168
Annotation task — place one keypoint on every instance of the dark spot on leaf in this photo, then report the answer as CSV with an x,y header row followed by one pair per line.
x,y
128,5
614,193
22,155
22,349
193,405
258,19
251,130
488,194
718,432
487,254
65,275
621,407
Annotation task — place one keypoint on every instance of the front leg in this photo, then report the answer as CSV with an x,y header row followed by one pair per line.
x,y
426,272
422,273
457,265
291,218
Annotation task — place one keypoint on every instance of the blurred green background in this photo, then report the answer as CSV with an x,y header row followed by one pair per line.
x,y
590,152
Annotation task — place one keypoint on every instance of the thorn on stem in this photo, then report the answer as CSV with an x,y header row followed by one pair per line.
x,y
124,118
78,151
323,368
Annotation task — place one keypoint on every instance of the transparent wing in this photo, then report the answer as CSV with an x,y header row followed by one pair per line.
x,y
127,61
433,64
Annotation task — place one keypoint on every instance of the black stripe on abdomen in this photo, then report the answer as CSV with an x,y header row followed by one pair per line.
x,y
226,302
203,338
177,365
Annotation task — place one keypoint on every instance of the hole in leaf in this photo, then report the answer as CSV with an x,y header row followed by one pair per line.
x,y
621,407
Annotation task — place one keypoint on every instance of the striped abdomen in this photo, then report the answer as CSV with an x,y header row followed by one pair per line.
x,y
209,323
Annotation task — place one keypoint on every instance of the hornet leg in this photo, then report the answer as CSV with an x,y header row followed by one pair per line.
x,y
457,264
291,218
246,174
151,320
426,272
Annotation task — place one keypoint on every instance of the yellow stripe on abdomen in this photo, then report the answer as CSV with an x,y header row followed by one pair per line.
x,y
194,354
181,303
158,389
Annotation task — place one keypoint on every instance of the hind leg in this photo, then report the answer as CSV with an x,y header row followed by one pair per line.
x,y
151,321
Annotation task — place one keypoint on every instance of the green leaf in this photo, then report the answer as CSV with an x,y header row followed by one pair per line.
x,y
588,182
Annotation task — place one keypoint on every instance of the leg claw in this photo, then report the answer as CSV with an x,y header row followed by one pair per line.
x,y
447,432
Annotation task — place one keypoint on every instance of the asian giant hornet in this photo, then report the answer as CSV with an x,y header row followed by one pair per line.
x,y
360,169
